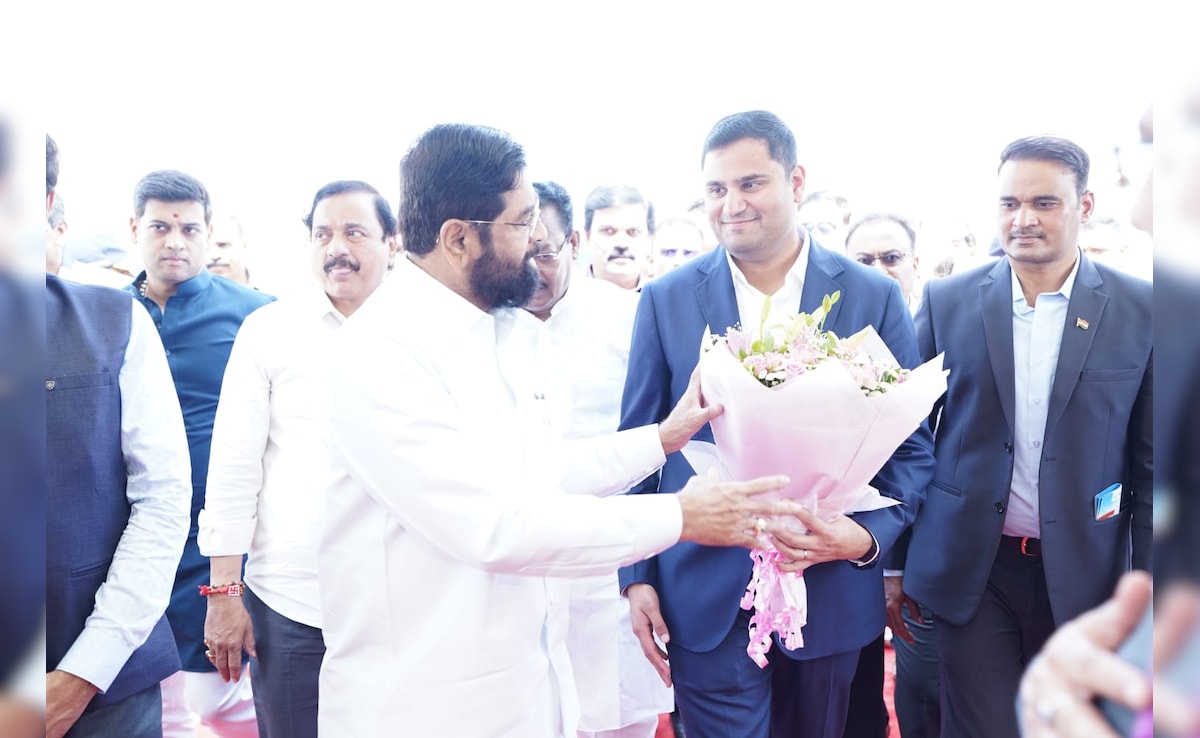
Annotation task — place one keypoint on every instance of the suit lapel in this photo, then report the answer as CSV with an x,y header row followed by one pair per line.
x,y
995,302
714,292
820,279
1088,299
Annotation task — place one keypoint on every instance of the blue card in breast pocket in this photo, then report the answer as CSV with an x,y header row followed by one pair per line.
x,y
1108,502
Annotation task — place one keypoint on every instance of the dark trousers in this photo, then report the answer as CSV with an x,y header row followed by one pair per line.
x,y
723,694
286,672
918,694
983,659
137,716
867,715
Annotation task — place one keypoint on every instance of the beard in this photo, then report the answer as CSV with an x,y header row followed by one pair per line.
x,y
500,284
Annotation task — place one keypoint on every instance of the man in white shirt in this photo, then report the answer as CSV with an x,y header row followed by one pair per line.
x,y
447,528
268,465
117,492
584,337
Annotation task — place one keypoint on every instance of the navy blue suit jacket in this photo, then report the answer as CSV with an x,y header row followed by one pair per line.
x,y
700,587
1098,432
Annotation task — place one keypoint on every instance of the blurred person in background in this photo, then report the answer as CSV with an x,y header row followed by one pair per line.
x,y
889,243
586,325
227,250
22,434
826,215
676,242
618,229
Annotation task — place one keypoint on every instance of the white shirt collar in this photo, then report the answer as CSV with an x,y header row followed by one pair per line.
x,y
792,281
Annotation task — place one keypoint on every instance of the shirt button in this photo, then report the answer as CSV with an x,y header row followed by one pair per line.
x,y
1037,401
50,384
168,352
1037,444
998,507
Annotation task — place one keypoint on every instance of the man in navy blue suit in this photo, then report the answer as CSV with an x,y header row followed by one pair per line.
x,y
689,595
1042,494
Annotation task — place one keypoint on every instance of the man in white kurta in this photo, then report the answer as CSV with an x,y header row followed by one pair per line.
x,y
269,463
586,325
447,525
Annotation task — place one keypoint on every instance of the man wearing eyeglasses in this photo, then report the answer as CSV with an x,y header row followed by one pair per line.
x,y
456,509
587,324
889,243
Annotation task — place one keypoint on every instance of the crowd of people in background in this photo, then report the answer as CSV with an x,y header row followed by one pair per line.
x,y
340,512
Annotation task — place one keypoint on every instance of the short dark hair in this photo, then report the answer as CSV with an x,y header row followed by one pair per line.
x,y
51,164
170,185
1051,148
383,211
455,170
610,196
760,124
885,218
552,194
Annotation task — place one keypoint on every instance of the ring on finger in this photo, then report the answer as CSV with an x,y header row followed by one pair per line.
x,y
804,554
760,525
1047,708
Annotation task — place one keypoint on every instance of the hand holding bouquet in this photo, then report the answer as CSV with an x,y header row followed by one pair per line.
x,y
826,411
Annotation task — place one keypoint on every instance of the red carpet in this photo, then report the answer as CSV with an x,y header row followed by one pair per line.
x,y
889,687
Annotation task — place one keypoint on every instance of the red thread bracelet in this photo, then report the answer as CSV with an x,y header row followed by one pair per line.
x,y
232,589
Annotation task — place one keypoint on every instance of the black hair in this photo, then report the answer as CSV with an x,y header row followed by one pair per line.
x,y
455,170
610,196
758,124
383,211
1051,148
170,185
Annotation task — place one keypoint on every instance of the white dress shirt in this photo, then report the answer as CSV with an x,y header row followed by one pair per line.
x,y
1037,338
446,533
785,302
584,352
269,464
135,593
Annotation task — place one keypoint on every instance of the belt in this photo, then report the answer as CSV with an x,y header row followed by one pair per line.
x,y
1027,546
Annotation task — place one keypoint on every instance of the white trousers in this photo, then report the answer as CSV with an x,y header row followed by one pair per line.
x,y
644,728
191,699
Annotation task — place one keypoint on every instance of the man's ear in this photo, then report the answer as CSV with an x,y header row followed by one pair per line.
x,y
455,238
797,182
1086,204
133,226
574,242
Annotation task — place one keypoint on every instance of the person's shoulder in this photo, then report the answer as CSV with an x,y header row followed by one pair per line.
x,y
686,276
85,295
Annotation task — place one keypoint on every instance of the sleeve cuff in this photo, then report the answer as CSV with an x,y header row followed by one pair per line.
x,y
893,572
96,657
224,537
872,554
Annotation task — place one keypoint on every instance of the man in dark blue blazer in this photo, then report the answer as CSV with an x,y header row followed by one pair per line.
x,y
689,595
1042,494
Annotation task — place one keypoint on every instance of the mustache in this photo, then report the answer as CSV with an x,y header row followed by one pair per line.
x,y
1019,232
340,261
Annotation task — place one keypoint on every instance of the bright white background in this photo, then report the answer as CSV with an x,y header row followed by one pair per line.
x,y
899,106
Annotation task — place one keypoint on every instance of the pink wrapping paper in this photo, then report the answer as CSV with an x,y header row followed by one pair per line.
x,y
823,432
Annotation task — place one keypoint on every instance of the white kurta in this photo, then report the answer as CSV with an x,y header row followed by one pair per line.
x,y
585,353
268,462
442,610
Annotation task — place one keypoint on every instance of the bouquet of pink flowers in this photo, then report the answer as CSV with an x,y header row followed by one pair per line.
x,y
824,410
